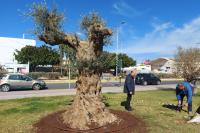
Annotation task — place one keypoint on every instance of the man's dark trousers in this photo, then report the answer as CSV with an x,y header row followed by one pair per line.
x,y
128,102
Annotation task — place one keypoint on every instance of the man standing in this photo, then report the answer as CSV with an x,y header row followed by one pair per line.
x,y
182,90
129,88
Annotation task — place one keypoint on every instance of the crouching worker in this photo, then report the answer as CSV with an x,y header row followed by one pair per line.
x,y
182,90
129,88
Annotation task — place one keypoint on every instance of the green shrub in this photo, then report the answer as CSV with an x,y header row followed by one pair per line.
x,y
165,75
48,75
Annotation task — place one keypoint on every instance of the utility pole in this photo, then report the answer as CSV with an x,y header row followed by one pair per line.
x,y
116,69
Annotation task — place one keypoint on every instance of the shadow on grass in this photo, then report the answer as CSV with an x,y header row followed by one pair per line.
x,y
172,107
198,110
166,89
123,103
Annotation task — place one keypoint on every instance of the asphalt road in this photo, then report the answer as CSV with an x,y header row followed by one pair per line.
x,y
108,84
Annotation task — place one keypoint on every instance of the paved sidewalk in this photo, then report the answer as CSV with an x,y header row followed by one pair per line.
x,y
60,92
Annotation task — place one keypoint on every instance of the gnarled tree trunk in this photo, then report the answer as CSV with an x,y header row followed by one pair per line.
x,y
88,107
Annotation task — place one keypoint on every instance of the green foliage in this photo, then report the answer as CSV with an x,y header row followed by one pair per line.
x,y
2,71
68,53
90,20
37,56
93,24
101,64
188,63
106,61
165,75
126,60
46,19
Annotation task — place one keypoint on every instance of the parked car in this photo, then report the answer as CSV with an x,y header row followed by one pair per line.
x,y
20,81
147,78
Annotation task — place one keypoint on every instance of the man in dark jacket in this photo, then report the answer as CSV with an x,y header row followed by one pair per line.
x,y
129,88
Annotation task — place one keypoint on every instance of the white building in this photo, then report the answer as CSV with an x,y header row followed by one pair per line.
x,y
163,65
141,68
8,46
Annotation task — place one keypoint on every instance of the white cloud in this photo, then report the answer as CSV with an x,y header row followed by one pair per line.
x,y
79,33
126,10
165,38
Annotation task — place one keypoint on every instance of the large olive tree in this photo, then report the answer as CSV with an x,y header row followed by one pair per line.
x,y
188,64
87,107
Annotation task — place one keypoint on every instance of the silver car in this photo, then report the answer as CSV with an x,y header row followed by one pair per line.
x,y
17,81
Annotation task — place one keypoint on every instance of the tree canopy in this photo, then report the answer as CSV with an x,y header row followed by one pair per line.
x,y
188,63
43,55
87,106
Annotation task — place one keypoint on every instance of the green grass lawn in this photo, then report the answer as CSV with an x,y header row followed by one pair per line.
x,y
17,116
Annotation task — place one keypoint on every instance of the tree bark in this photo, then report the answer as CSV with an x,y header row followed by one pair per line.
x,y
88,107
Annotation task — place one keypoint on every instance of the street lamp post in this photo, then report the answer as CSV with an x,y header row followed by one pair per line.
x,y
117,51
69,74
116,69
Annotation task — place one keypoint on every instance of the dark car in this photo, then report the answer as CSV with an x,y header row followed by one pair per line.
x,y
147,79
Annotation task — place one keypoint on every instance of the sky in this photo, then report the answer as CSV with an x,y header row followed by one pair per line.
x,y
152,28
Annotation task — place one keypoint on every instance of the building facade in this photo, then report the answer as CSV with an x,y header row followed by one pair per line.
x,y
8,46
141,68
163,65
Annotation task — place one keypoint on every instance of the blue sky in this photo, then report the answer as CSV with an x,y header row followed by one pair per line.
x,y
153,28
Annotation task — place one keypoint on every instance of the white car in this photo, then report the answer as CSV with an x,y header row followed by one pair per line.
x,y
20,81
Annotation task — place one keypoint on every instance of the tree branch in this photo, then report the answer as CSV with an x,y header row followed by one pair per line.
x,y
56,38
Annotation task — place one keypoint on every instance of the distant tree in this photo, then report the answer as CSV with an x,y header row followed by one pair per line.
x,y
126,60
67,53
37,56
188,64
87,107
68,59
47,56
123,59
2,70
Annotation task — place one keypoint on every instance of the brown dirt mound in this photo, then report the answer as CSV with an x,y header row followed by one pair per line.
x,y
53,123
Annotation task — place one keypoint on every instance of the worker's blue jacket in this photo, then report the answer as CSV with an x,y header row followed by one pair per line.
x,y
186,92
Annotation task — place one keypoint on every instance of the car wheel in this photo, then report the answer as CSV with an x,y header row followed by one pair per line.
x,y
158,82
36,87
5,88
145,83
